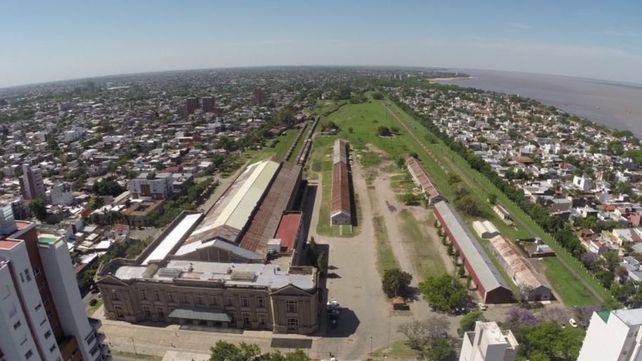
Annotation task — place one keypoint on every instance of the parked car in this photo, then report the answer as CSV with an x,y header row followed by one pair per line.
x,y
572,322
482,306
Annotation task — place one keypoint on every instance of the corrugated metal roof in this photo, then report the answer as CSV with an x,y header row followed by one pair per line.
x,y
266,220
421,178
232,211
340,152
515,264
486,272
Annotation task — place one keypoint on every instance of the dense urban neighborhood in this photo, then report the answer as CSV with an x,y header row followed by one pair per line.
x,y
325,213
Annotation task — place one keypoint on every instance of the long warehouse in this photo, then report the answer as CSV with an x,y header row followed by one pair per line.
x,y
341,212
490,285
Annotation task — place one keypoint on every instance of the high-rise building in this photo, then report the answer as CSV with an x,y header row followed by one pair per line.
x,y
488,343
208,104
613,336
42,316
259,96
31,183
191,104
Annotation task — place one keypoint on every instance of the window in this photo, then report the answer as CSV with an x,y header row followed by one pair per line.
x,y
291,307
114,296
213,301
52,348
143,297
161,314
36,272
47,334
293,324
39,306
245,302
22,278
261,320
157,296
27,274
24,340
43,321
90,338
260,302
199,300
29,354
13,310
246,318
16,325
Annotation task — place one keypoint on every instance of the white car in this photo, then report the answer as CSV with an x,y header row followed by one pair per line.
x,y
572,322
482,306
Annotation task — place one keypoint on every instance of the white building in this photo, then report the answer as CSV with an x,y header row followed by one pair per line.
x,y
42,316
488,343
613,336
582,183
151,185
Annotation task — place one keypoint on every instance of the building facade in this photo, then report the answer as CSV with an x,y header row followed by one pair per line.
x,y
242,296
613,336
151,186
45,318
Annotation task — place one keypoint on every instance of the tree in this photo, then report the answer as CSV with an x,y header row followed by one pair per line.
x,y
492,198
383,131
108,187
444,293
521,316
467,322
395,282
225,351
420,333
377,96
439,350
38,208
549,341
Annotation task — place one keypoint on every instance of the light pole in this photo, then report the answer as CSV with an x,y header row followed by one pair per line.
x,y
134,345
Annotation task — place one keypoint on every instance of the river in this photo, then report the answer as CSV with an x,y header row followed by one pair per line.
x,y
615,105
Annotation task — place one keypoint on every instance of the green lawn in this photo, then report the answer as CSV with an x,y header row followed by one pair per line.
x,y
358,123
397,350
385,257
424,255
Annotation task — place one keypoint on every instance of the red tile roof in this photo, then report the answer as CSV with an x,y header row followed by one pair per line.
x,y
288,230
340,189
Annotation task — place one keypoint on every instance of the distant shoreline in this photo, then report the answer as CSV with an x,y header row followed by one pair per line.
x,y
611,104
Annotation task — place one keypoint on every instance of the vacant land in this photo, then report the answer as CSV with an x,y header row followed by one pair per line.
x,y
359,123
424,254
385,257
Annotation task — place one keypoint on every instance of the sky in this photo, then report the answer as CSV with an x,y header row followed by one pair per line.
x,y
55,40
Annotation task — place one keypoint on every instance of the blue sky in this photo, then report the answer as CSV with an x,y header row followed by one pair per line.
x,y
52,40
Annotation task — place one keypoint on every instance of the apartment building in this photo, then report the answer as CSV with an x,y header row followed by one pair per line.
x,y
488,343
613,336
42,316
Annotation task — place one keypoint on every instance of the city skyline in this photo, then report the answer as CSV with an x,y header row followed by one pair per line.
x,y
77,40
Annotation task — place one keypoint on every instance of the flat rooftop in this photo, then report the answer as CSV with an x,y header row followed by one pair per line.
x,y
629,317
231,274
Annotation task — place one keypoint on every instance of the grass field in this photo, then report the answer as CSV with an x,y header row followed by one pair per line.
x,y
398,350
423,255
385,257
358,123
